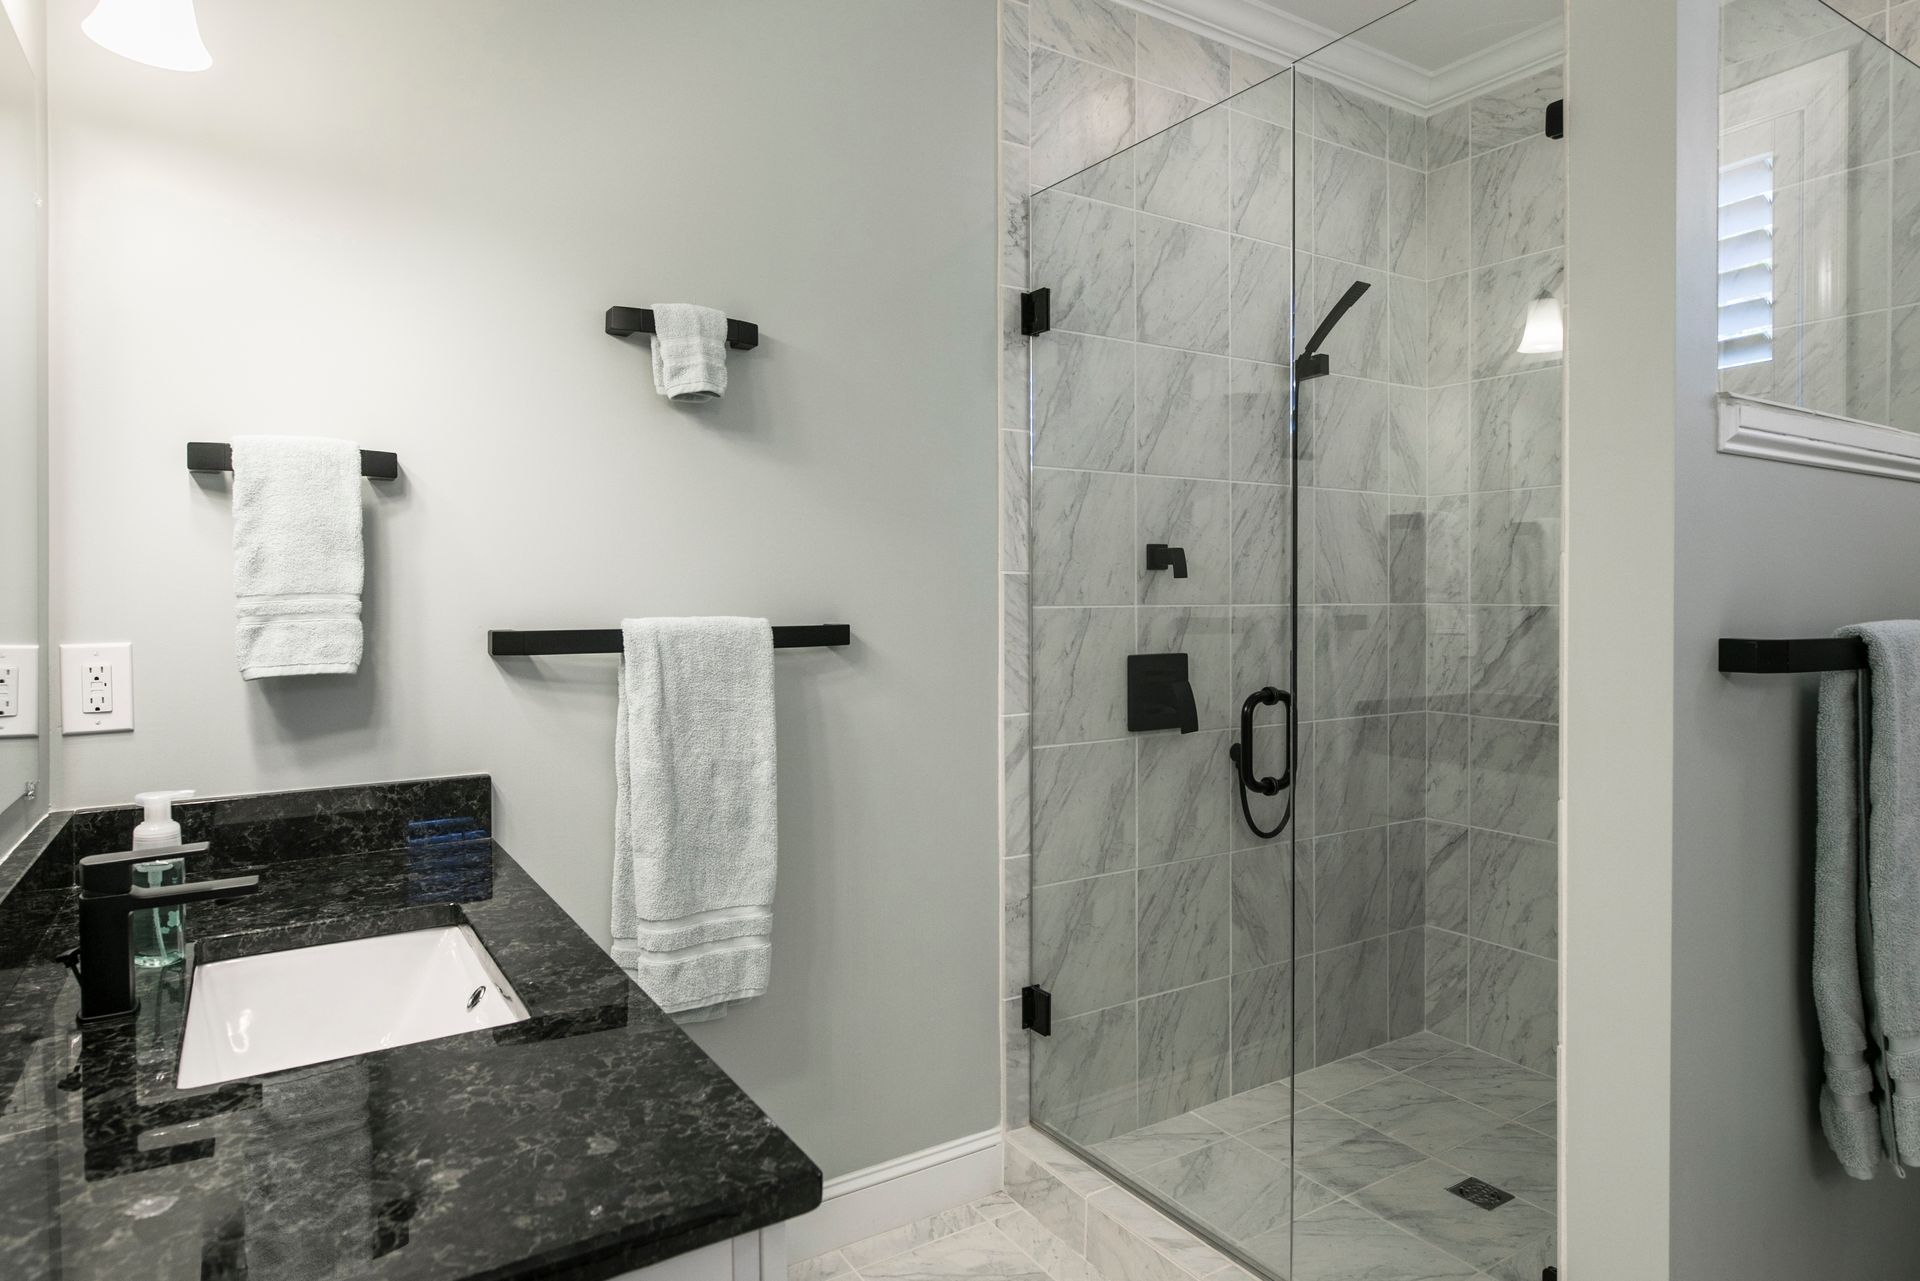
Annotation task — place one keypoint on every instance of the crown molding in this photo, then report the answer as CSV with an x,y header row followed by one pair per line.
x,y
1283,38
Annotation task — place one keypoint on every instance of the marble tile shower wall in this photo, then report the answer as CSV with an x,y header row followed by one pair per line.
x,y
1496,229
1835,116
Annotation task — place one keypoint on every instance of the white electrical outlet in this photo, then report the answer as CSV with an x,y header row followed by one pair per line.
x,y
19,691
96,688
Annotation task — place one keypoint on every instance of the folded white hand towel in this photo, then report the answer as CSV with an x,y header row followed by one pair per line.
x,y
694,812
689,351
298,560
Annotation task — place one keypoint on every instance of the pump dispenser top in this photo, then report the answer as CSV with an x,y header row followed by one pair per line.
x,y
159,829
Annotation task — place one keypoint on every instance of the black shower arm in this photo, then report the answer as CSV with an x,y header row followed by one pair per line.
x,y
1311,364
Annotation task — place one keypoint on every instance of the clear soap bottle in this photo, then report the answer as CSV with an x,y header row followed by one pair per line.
x,y
157,936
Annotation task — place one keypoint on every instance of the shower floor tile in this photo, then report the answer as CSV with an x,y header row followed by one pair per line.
x,y
1375,1142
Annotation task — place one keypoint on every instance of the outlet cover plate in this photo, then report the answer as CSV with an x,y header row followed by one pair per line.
x,y
25,662
74,662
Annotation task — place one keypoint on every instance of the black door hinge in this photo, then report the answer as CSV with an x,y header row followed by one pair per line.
x,y
1036,1009
1551,1274
1557,128
1036,312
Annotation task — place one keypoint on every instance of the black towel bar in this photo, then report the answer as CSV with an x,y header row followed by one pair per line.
x,y
606,640
1812,654
742,335
204,455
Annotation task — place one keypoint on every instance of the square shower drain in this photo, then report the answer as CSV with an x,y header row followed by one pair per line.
x,y
1480,1193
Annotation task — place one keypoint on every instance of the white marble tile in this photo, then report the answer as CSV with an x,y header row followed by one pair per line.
x,y
1073,1171
871,1251
1350,547
1448,227
1516,777
1345,1242
1262,542
1407,440
1183,1049
1261,177
1519,200
1343,433
1501,296
1336,1151
1083,402
1501,1087
1263,1105
1263,1036
1156,109
1262,88
822,1267
1352,649
1157,1141
1516,661
1407,876
1183,935
1350,998
1514,1159
1083,547
1350,119
1080,114
1083,944
1191,514
1183,285
993,1207
1514,111
1079,674
1447,136
1258,431
1447,1011
1355,794
1182,413
1407,221
1262,281
1418,1201
1449,657
1419,1115
1180,59
1545,1119
1082,252
1515,1005
1086,1079
1350,205
1269,920
1411,1051
1016,645
1014,54
1845,367
1448,429
1235,1189
1262,644
1448,768
1903,375
1016,924
1449,335
1118,1209
1409,343
1013,215
1092,30
1845,243
1351,889
1180,171
1407,584
978,1253
1517,422
1905,204
1016,502
1184,801
1016,1067
1056,1258
1516,547
1406,138
1083,810
1448,904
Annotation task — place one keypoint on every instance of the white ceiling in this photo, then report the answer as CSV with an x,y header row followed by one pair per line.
x,y
1429,34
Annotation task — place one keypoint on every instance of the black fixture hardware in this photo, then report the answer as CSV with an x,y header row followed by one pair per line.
x,y
623,322
1036,1009
1159,695
1036,312
607,640
1314,363
1161,556
1241,754
1481,1193
1557,118
108,897
375,464
1551,1274
1775,657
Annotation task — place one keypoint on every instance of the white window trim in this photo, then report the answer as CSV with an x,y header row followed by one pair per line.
x,y
1789,434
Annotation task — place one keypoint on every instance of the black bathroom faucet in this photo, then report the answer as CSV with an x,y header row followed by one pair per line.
x,y
108,897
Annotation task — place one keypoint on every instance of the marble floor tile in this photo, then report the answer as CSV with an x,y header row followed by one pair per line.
x,y
1411,1051
1344,1242
1162,1141
1486,1081
978,1252
1417,1114
1118,1209
821,1267
1235,1189
992,1207
1059,1260
1418,1201
1514,1159
1333,1080
1334,1150
1546,1119
885,1245
1251,1109
1066,1166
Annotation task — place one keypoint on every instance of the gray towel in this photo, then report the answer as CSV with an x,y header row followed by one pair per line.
x,y
298,558
689,351
1867,902
694,799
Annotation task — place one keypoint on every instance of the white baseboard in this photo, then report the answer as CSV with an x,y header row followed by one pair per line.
x,y
895,1193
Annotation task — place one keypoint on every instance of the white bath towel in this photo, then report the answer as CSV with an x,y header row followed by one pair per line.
x,y
695,809
298,560
689,351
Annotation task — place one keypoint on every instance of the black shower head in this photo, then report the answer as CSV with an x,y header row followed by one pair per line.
x,y
1311,363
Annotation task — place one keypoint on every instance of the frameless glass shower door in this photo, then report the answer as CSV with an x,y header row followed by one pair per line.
x,y
1296,418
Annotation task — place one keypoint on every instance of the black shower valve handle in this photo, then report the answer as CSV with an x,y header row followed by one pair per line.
x,y
1161,556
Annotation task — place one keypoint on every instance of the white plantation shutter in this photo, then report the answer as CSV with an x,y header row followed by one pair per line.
x,y
1746,262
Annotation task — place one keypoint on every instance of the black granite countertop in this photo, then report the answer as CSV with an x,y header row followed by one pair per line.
x,y
592,1138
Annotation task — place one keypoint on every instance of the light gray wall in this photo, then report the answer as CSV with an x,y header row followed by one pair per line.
x,y
401,224
1766,549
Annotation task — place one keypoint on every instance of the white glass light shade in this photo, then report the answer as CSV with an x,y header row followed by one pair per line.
x,y
1546,331
160,33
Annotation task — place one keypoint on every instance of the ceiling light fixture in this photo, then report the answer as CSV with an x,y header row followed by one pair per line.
x,y
159,33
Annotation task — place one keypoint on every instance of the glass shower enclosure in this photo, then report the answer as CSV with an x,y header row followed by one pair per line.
x,y
1295,419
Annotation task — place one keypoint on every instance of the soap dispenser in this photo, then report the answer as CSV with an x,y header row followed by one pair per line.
x,y
157,935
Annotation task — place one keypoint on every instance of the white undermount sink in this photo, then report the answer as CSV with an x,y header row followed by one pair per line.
x,y
279,1010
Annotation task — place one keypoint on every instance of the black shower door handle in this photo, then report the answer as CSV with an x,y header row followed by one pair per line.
x,y
1242,751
